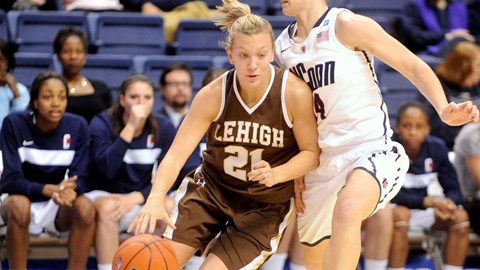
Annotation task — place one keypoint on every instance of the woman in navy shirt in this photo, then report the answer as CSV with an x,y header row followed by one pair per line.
x,y
45,154
127,143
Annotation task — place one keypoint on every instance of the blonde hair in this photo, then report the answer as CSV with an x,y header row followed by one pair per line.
x,y
235,18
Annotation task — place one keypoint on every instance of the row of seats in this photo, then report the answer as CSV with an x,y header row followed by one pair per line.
x,y
113,68
395,87
134,33
116,32
367,7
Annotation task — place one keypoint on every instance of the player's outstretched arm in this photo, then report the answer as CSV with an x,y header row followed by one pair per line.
x,y
204,109
361,33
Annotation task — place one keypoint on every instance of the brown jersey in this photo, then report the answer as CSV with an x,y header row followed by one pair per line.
x,y
241,136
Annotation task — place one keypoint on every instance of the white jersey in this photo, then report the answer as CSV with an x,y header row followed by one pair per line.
x,y
348,102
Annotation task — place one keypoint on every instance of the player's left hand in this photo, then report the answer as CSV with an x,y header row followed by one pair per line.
x,y
262,173
459,114
299,188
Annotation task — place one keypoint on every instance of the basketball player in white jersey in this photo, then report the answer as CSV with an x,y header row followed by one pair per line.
x,y
361,169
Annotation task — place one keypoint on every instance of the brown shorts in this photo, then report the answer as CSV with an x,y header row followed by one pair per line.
x,y
250,231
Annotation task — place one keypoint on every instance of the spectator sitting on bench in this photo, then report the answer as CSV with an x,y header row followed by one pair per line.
x,y
128,140
414,206
45,154
467,159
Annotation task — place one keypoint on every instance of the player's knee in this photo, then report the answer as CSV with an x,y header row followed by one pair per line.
x,y
461,224
104,207
347,211
401,214
18,210
461,216
83,210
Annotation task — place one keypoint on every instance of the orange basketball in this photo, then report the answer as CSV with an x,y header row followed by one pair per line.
x,y
145,252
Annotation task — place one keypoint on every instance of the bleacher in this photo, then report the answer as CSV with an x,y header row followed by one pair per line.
x,y
123,43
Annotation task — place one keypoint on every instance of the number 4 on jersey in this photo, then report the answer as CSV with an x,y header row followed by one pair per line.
x,y
319,106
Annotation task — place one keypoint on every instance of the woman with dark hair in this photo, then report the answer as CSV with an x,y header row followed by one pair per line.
x,y
414,206
127,143
459,74
87,97
13,95
45,154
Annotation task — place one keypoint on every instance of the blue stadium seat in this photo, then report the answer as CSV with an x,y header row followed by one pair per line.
x,y
4,26
34,31
112,69
202,37
386,13
391,80
274,7
279,23
376,7
256,6
30,64
221,61
432,61
153,66
395,88
127,33
386,22
198,37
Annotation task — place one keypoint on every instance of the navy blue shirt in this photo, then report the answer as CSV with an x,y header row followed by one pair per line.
x,y
32,158
432,162
121,167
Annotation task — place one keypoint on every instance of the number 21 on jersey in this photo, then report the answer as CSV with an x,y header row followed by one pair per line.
x,y
234,165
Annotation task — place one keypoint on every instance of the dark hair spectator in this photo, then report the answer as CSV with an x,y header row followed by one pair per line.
x,y
128,141
176,89
415,207
87,97
45,154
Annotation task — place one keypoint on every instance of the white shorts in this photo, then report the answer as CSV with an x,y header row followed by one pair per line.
x,y
42,217
421,219
323,184
126,219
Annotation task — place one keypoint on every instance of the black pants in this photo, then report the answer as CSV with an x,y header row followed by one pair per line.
x,y
472,206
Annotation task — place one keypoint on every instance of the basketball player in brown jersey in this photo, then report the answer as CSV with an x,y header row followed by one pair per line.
x,y
261,134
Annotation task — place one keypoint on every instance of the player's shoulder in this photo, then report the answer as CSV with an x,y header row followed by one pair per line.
x,y
346,19
295,86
